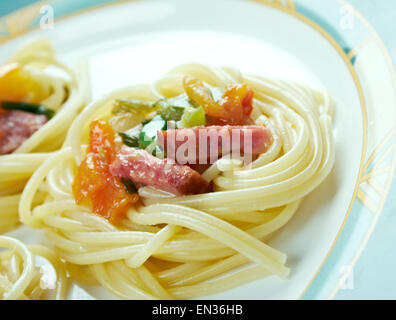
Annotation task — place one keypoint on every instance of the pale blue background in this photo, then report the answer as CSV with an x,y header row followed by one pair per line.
x,y
375,272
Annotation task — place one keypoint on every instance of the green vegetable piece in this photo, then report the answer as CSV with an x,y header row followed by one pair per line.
x,y
28,107
149,132
129,185
156,150
171,113
132,106
180,101
159,152
128,140
173,108
193,117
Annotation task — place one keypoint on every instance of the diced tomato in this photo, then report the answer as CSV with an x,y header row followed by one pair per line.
x,y
17,85
112,200
247,102
237,101
91,176
234,108
101,140
94,181
201,96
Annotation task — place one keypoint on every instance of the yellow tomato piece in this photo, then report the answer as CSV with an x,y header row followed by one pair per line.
x,y
16,84
201,96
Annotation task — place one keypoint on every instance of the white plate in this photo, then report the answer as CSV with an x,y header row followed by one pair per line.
x,y
134,42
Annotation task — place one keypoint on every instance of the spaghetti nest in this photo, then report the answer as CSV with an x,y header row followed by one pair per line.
x,y
195,245
20,276
64,92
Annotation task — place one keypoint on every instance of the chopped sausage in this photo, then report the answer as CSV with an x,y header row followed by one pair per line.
x,y
164,174
200,145
16,127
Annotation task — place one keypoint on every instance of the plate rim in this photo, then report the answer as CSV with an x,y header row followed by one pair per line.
x,y
290,9
386,139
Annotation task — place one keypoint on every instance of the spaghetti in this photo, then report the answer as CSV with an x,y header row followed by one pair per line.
x,y
34,75
21,278
186,246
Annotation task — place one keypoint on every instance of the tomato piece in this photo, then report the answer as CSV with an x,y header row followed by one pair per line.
x,y
101,140
94,182
91,176
237,100
234,108
17,85
201,96
247,102
111,200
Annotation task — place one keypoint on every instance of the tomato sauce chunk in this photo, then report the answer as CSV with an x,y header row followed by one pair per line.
x,y
234,107
95,183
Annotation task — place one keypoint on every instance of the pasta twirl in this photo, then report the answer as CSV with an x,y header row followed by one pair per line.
x,y
61,90
22,278
186,246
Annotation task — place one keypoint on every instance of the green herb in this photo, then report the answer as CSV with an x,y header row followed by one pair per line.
x,y
173,108
132,105
129,186
128,140
149,132
28,107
